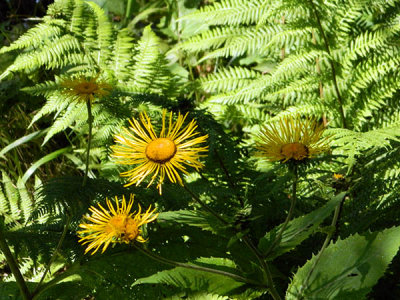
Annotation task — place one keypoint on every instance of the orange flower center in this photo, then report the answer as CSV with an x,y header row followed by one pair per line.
x,y
131,230
86,88
123,228
116,224
160,150
338,176
295,151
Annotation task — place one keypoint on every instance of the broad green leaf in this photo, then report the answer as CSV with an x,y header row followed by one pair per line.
x,y
347,269
198,280
297,230
197,296
194,218
10,291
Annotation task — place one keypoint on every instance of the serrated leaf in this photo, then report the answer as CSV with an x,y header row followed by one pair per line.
x,y
9,291
12,197
198,280
26,202
347,269
194,218
297,230
197,296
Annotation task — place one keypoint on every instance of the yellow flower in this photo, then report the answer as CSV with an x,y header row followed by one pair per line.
x,y
83,89
338,176
115,225
292,139
160,155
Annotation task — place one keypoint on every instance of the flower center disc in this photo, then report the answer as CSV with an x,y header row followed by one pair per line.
x,y
131,230
296,151
86,88
116,225
160,150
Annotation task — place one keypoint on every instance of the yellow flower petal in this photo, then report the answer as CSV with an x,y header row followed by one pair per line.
x,y
158,156
83,89
292,139
118,225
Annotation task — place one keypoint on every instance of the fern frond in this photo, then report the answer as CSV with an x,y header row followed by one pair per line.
x,y
35,36
228,79
230,12
122,54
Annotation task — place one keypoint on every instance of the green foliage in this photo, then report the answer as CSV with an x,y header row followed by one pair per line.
x,y
297,230
348,269
197,280
234,66
297,54
76,38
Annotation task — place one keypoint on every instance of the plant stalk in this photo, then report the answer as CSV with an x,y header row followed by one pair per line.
x,y
205,206
128,11
326,243
53,257
90,123
229,178
333,69
14,268
290,213
267,272
54,281
249,244
195,267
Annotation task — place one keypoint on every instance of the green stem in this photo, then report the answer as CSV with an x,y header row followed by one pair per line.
x,y
333,69
195,267
229,178
205,206
326,243
249,244
14,267
56,251
53,282
290,213
90,121
128,11
267,272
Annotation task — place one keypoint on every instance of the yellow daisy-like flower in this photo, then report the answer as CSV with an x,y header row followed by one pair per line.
x,y
160,155
292,139
115,225
338,176
83,89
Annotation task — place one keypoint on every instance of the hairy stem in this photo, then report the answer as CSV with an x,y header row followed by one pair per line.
x,y
290,213
90,121
14,267
333,69
56,251
195,267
